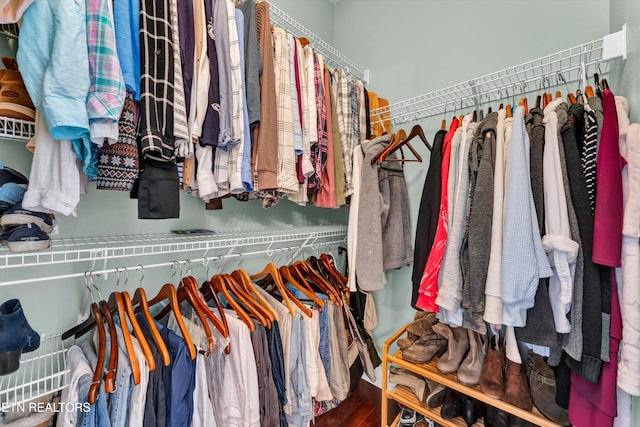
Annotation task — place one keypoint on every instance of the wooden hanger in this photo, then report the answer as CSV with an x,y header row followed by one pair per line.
x,y
303,41
209,295
338,286
271,270
474,118
168,292
288,276
137,331
243,279
219,284
509,111
538,101
329,266
192,285
604,84
415,131
112,368
558,95
102,352
572,99
589,92
549,98
526,106
443,125
116,305
460,118
307,271
140,304
251,306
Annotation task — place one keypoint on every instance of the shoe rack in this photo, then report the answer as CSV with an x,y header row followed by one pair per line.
x,y
404,396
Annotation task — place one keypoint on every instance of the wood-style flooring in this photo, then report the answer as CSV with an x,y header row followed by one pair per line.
x,y
361,409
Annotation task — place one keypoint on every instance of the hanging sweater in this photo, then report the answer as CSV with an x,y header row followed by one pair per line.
x,y
369,256
493,290
584,339
523,258
540,328
480,217
427,214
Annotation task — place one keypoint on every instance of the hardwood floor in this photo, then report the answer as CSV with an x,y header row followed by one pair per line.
x,y
361,409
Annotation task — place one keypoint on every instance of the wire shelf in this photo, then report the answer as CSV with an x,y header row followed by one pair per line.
x,y
21,130
331,56
88,250
41,373
558,69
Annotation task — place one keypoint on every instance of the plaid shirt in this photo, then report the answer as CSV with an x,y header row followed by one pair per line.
x,y
155,135
362,111
107,91
287,174
184,147
319,151
345,125
355,113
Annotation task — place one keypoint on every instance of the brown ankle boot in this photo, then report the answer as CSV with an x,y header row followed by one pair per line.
x,y
516,386
457,347
492,376
425,348
14,98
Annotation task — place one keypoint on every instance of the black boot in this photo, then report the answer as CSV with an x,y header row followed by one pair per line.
x,y
452,406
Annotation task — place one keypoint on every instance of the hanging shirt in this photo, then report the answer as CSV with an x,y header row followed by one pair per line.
x,y
184,148
607,237
557,241
429,282
327,192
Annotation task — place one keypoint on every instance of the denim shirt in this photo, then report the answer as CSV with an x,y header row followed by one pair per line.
x,y
179,393
98,414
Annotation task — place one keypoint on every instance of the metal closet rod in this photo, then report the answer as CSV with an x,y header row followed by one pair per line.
x,y
565,66
204,260
332,55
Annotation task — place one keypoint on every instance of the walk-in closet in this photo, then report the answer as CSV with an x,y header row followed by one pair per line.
x,y
268,213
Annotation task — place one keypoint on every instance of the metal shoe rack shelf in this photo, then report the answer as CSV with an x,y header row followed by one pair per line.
x,y
43,371
406,397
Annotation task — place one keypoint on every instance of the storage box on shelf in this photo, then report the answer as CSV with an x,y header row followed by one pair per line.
x,y
406,397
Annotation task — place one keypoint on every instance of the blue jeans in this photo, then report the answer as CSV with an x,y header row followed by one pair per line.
x,y
302,412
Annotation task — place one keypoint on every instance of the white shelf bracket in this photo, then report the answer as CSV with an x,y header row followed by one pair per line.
x,y
614,45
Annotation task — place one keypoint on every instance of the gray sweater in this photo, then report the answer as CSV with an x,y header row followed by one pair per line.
x,y
384,230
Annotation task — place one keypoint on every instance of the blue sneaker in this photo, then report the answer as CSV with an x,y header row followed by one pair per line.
x,y
16,216
26,237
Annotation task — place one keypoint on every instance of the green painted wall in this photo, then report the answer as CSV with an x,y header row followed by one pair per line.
x,y
416,46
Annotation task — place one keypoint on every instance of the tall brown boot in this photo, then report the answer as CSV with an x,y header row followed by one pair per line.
x,y
517,390
492,376
14,98
471,367
456,348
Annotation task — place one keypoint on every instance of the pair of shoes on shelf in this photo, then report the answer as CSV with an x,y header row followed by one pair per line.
x,y
542,382
14,98
465,353
455,404
420,386
495,417
16,336
26,230
422,343
504,379
13,185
